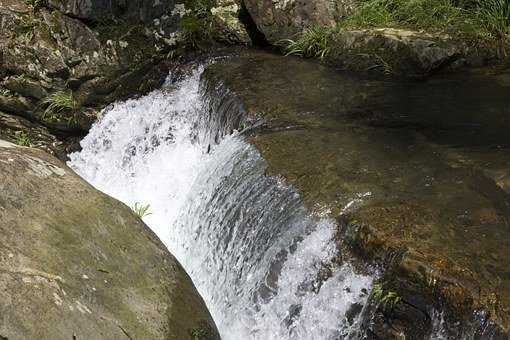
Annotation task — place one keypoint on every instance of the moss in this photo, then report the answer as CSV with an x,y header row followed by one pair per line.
x,y
23,139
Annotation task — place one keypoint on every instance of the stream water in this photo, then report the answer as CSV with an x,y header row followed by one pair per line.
x,y
265,267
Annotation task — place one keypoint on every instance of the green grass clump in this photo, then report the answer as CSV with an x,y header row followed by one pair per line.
x,y
430,15
196,24
59,105
313,43
22,78
388,299
141,210
36,4
479,18
5,93
495,16
23,139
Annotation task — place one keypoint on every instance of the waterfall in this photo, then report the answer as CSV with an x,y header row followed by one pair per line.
x,y
266,267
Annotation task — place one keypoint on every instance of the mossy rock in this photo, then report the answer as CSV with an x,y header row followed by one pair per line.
x,y
76,263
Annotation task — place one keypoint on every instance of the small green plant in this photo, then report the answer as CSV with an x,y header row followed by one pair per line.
x,y
27,25
313,43
196,24
36,4
141,210
59,104
5,93
22,139
495,16
388,299
201,333
22,78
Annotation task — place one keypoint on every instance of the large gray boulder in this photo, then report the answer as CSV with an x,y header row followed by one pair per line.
x,y
283,19
77,264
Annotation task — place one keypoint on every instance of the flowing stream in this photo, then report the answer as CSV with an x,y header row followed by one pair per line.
x,y
265,267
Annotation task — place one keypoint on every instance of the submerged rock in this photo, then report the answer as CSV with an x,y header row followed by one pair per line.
x,y
76,263
413,177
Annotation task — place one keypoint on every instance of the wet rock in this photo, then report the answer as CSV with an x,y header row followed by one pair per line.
x,y
412,183
75,263
388,51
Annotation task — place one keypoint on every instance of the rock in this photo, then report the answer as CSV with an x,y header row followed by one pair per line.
x,y
133,10
26,87
377,157
405,53
76,263
284,19
228,28
20,131
44,52
386,51
16,104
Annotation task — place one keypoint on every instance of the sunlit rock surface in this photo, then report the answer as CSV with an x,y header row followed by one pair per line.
x,y
76,263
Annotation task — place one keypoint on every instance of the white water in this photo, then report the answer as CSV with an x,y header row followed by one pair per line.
x,y
264,266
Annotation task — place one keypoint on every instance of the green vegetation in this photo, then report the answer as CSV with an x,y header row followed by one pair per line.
x,y
196,24
430,15
22,78
487,20
60,104
141,210
22,139
27,27
388,299
201,333
478,18
495,15
313,43
36,4
5,93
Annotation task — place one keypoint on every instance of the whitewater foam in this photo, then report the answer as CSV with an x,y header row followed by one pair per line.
x,y
266,268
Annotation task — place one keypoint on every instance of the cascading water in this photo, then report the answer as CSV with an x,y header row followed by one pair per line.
x,y
266,268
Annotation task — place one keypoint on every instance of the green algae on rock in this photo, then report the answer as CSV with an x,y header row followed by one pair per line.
x,y
76,263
